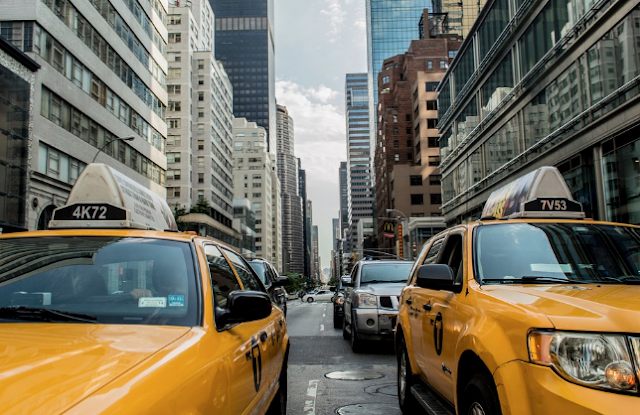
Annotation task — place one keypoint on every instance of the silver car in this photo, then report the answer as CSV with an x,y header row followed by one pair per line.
x,y
371,300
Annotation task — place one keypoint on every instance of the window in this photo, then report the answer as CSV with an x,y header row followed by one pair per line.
x,y
431,86
415,180
443,64
223,279
433,142
432,105
200,177
385,79
429,65
436,199
434,160
417,199
432,123
434,179
249,280
396,157
175,37
200,144
396,144
395,117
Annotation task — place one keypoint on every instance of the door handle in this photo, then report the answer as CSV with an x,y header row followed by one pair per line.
x,y
427,307
263,337
408,301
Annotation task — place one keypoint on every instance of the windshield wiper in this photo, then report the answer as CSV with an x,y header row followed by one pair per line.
x,y
537,279
44,314
625,279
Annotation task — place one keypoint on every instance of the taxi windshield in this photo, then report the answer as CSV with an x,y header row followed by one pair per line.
x,y
105,280
557,252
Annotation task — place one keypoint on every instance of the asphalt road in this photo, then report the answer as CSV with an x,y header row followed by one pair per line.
x,y
326,377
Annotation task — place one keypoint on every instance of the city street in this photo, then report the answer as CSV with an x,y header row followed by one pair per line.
x,y
321,366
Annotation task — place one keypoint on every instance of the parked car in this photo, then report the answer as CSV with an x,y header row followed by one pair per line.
x,y
371,300
272,281
114,311
320,295
338,302
292,296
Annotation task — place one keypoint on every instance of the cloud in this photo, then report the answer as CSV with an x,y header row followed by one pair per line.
x,y
336,15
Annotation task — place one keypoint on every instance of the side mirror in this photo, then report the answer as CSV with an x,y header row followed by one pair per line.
x,y
346,281
281,282
436,277
243,306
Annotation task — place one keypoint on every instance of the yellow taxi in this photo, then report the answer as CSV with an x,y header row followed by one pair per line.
x,y
533,309
113,311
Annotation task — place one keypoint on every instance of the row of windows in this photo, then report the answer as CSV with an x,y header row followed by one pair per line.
x,y
84,79
61,113
242,23
58,165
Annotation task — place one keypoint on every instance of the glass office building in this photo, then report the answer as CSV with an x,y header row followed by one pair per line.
x,y
544,82
244,44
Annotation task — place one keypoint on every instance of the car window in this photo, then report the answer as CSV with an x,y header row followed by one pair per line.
x,y
223,280
385,272
261,269
451,255
245,272
112,279
432,255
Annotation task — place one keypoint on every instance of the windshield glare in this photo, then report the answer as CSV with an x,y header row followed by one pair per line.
x,y
575,251
385,272
117,280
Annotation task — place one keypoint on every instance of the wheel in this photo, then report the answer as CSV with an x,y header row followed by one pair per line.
x,y
408,402
480,396
279,403
356,343
345,333
310,300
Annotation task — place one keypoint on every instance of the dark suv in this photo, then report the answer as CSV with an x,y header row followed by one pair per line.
x,y
272,281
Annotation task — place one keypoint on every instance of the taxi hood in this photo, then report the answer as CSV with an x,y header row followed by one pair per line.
x,y
581,307
48,368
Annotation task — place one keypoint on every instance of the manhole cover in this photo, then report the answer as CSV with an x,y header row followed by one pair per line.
x,y
353,375
370,409
388,389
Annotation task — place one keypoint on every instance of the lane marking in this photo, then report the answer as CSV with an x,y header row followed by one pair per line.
x,y
321,327
310,402
324,315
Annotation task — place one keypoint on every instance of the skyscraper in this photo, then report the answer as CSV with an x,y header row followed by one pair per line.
x,y
360,194
245,46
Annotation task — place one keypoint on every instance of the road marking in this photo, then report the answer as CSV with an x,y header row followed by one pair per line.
x,y
324,315
310,402
321,327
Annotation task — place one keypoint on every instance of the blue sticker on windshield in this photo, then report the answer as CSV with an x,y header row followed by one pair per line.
x,y
176,301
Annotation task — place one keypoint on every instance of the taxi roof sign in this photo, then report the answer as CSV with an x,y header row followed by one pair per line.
x,y
542,193
105,198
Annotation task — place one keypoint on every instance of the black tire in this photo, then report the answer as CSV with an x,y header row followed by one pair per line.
x,y
480,396
356,343
406,379
279,403
310,300
337,322
345,333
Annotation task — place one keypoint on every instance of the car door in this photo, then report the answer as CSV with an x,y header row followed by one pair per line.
x,y
267,340
417,300
445,319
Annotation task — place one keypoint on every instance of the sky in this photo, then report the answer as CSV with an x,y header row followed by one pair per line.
x,y
317,43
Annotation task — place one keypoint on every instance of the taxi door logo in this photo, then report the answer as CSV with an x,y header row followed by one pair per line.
x,y
256,358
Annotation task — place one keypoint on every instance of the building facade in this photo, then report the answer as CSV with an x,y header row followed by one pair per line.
x,y
545,83
245,45
292,203
102,78
199,120
254,180
17,80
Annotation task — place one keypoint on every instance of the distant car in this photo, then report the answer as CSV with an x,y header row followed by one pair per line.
x,y
338,302
272,281
320,295
292,296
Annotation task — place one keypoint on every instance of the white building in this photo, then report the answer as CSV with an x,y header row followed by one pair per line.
x,y
102,78
199,121
255,178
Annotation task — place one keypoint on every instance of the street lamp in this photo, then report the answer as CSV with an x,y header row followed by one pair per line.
x,y
401,236
127,138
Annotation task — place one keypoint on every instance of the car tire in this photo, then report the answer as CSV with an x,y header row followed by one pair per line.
x,y
279,403
310,300
406,379
480,396
356,343
345,333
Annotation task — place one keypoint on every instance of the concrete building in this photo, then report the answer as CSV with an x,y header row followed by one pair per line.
x,y
407,150
550,83
102,78
199,120
245,45
17,81
292,204
255,180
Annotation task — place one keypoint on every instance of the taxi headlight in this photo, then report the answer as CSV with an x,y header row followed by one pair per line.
x,y
589,359
364,300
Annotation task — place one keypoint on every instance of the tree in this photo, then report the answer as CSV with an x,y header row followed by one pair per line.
x,y
202,206
178,213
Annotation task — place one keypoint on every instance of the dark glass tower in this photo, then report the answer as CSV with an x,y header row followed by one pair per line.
x,y
245,46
